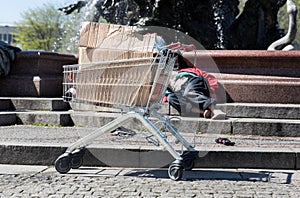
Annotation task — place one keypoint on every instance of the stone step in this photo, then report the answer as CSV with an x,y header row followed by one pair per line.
x,y
5,104
145,157
249,62
33,103
233,110
8,118
41,145
258,76
57,118
261,89
251,110
261,110
233,126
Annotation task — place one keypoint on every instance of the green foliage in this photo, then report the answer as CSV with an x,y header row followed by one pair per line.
x,y
48,29
45,125
45,28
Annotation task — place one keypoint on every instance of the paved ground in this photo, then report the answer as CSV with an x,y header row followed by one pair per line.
x,y
65,135
39,145
42,181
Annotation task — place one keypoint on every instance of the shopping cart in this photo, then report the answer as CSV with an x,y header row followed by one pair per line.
x,y
137,87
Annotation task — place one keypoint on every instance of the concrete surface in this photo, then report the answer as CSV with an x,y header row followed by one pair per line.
x,y
266,136
39,145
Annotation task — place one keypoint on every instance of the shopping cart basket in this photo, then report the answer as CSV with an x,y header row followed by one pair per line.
x,y
136,86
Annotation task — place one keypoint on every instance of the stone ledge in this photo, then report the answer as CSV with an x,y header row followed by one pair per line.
x,y
262,91
235,126
31,86
139,158
33,103
250,62
40,63
261,110
8,118
233,110
36,73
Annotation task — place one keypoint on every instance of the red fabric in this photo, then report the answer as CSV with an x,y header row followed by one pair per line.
x,y
212,81
194,70
165,98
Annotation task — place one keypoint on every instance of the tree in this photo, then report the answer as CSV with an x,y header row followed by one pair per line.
x,y
42,29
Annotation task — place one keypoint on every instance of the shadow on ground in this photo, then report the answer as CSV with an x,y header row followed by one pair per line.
x,y
255,176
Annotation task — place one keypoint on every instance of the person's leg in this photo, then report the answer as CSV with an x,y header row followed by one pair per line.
x,y
183,105
174,102
214,114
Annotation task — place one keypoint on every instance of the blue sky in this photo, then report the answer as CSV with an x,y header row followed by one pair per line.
x,y
10,10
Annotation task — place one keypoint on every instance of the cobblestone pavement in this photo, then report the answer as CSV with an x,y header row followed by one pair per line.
x,y
29,181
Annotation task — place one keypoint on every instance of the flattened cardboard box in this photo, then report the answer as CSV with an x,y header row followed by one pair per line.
x,y
105,42
89,55
106,84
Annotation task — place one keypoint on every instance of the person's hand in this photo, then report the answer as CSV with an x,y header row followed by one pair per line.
x,y
179,82
188,48
174,46
182,47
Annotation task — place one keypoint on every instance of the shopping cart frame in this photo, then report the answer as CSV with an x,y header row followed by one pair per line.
x,y
72,158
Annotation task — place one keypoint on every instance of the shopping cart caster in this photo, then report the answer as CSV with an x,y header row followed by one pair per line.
x,y
77,158
188,164
189,159
67,161
63,163
175,170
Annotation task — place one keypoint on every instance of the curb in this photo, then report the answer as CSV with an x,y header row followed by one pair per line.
x,y
145,157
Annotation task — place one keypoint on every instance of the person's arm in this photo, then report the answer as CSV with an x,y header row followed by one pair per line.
x,y
183,47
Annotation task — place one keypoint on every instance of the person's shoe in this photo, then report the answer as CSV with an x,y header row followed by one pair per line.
x,y
207,113
218,115
224,141
123,132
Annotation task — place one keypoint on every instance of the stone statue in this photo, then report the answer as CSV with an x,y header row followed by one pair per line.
x,y
285,43
71,8
215,24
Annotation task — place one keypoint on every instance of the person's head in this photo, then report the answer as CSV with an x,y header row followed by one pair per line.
x,y
182,62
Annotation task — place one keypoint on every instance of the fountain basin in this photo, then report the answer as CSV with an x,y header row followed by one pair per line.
x,y
250,62
255,76
36,74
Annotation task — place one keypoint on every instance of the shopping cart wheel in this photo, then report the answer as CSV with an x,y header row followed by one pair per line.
x,y
63,163
189,159
77,158
188,163
175,170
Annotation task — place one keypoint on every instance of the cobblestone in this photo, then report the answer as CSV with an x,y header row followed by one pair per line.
x,y
51,184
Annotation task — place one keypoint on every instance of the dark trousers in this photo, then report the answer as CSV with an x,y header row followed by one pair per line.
x,y
194,95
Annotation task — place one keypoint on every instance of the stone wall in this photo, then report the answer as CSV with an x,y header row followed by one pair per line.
x,y
36,74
